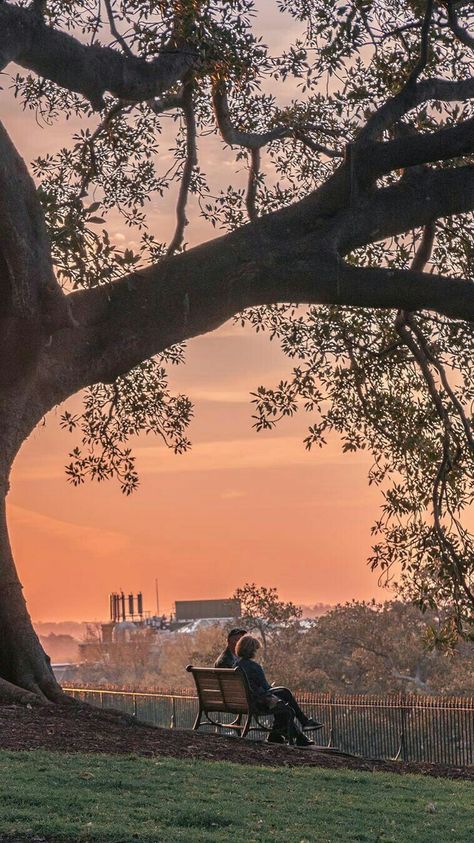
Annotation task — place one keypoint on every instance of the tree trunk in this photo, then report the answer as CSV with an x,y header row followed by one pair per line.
x,y
25,669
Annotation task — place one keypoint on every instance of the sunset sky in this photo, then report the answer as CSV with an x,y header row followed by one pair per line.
x,y
239,507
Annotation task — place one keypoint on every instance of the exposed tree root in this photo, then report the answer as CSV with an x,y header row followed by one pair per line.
x,y
13,693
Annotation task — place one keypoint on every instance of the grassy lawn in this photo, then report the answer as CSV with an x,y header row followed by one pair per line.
x,y
125,798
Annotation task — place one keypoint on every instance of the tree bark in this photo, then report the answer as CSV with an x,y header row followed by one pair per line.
x,y
25,669
90,70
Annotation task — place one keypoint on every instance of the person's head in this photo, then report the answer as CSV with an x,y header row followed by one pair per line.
x,y
234,637
247,646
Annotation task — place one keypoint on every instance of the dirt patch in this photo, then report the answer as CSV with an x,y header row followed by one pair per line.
x,y
82,728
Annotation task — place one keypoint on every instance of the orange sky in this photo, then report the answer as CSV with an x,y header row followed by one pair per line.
x,y
238,507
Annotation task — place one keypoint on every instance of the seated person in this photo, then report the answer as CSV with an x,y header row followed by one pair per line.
x,y
278,701
228,658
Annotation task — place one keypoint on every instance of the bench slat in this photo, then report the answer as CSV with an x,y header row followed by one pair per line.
x,y
207,682
233,694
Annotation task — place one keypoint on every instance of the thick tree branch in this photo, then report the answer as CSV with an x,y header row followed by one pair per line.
x,y
196,291
88,70
428,90
286,256
413,150
352,210
411,203
461,34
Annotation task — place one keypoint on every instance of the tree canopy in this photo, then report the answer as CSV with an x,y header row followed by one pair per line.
x,y
263,610
350,243
372,648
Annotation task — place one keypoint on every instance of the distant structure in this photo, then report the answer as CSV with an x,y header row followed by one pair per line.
x,y
119,605
193,610
129,622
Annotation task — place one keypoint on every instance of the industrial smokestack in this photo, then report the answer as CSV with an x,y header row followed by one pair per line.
x,y
140,604
131,605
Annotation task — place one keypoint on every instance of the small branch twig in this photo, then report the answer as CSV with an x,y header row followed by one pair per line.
x,y
189,165
399,30
424,250
424,46
251,195
257,140
412,335
116,109
237,137
113,28
161,104
314,146
158,106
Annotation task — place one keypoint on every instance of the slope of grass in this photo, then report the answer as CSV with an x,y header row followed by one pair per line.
x,y
120,799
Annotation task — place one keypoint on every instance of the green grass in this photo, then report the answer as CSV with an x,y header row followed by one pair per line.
x,y
121,799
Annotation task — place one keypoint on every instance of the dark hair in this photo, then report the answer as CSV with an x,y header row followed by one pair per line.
x,y
236,631
247,647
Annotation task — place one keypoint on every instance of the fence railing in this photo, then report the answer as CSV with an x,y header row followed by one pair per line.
x,y
409,727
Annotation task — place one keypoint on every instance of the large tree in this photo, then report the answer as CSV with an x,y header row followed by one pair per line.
x,y
352,243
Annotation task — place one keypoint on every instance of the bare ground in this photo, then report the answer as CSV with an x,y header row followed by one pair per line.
x,y
81,728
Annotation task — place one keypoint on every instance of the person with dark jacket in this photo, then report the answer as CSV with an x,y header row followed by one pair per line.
x,y
228,658
289,720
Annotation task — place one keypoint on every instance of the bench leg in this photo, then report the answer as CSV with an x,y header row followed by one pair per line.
x,y
197,721
246,726
237,722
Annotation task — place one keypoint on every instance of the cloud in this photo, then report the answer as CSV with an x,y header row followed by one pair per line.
x,y
232,494
233,454
257,452
221,396
49,467
92,540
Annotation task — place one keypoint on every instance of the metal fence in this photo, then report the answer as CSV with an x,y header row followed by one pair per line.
x,y
409,727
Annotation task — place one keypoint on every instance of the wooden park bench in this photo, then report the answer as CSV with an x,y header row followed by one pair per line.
x,y
223,690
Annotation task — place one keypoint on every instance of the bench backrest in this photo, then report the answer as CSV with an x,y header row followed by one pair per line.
x,y
222,689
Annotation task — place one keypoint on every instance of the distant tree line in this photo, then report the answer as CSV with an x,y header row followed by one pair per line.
x,y
358,647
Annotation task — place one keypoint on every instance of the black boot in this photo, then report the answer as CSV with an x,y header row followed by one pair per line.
x,y
275,737
302,741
